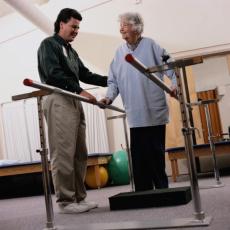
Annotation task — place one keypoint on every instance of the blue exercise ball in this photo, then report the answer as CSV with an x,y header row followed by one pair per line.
x,y
118,168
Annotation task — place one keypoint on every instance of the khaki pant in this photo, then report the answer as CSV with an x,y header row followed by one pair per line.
x,y
67,142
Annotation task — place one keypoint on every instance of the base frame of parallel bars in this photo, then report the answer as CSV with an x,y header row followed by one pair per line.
x,y
159,224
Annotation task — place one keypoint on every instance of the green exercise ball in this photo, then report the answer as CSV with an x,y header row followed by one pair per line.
x,y
118,168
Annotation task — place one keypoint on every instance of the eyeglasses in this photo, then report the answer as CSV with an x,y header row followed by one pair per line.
x,y
125,25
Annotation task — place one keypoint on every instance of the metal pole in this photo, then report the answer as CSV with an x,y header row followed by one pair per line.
x,y
210,139
45,169
123,116
212,145
199,220
187,132
129,153
143,69
52,89
44,151
197,161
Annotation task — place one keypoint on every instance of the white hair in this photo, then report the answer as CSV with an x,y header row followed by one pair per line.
x,y
134,19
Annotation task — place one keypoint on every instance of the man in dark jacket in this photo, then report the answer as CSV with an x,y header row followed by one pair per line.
x,y
59,65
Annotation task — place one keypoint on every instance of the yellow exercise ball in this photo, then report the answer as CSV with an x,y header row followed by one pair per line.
x,y
90,178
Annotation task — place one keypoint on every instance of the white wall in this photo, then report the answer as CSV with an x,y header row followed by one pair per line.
x,y
177,25
213,72
224,106
19,57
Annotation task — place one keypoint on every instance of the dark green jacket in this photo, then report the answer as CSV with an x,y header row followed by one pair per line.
x,y
59,65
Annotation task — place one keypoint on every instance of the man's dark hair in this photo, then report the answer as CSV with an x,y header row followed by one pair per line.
x,y
64,16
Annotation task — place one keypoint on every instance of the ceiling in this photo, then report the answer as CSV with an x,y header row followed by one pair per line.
x,y
6,9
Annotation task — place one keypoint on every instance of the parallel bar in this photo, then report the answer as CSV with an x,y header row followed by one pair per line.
x,y
37,93
115,117
179,63
129,154
143,69
123,116
187,130
45,169
212,144
152,224
38,85
187,133
205,103
44,151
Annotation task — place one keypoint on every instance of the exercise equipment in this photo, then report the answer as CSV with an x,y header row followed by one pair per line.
x,y
211,138
45,90
123,117
48,89
118,168
151,198
91,177
199,218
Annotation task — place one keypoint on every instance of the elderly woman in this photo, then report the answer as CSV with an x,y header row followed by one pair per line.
x,y
144,102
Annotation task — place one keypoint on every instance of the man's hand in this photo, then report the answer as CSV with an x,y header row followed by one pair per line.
x,y
88,96
104,101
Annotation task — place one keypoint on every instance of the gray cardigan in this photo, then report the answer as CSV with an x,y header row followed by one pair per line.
x,y
144,102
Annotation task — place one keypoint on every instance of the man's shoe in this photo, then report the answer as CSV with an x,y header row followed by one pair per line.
x,y
72,208
89,204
